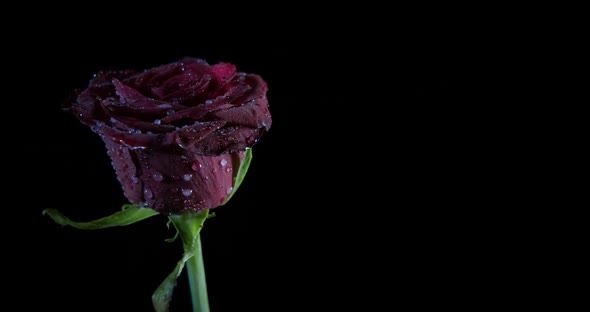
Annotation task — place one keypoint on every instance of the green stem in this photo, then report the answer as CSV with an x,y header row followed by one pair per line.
x,y
196,278
188,226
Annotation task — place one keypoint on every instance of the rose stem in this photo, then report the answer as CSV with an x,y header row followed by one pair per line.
x,y
197,282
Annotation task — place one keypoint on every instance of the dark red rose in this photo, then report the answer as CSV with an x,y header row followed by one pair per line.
x,y
176,132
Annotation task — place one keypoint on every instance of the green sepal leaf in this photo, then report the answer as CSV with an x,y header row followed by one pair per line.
x,y
240,173
129,214
188,226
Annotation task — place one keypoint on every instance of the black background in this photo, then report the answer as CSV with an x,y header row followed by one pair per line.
x,y
336,189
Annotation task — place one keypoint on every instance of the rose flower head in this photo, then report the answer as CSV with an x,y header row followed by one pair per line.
x,y
175,133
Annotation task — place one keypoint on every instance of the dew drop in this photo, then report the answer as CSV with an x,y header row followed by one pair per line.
x,y
196,166
147,193
229,189
187,176
208,102
228,169
157,121
134,179
138,131
187,192
223,162
157,177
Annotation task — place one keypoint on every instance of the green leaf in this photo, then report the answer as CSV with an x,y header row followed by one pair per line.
x,y
188,226
129,214
240,173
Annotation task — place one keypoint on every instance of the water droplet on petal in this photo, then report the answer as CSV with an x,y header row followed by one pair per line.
x,y
147,193
228,169
208,102
138,131
223,162
196,166
187,177
134,179
157,177
229,189
157,121
187,192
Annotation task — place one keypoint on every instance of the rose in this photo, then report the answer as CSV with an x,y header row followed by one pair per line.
x,y
177,132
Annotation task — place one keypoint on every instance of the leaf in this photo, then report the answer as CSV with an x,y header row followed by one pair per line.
x,y
188,226
240,173
129,214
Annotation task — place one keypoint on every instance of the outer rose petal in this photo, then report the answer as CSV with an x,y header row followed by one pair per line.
x,y
187,182
172,179
229,139
253,114
126,169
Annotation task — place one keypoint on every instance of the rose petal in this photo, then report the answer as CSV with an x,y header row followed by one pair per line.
x,y
155,76
223,72
188,136
126,168
147,108
130,140
252,114
126,93
137,124
183,89
185,181
229,139
85,107
232,91
258,88
197,112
